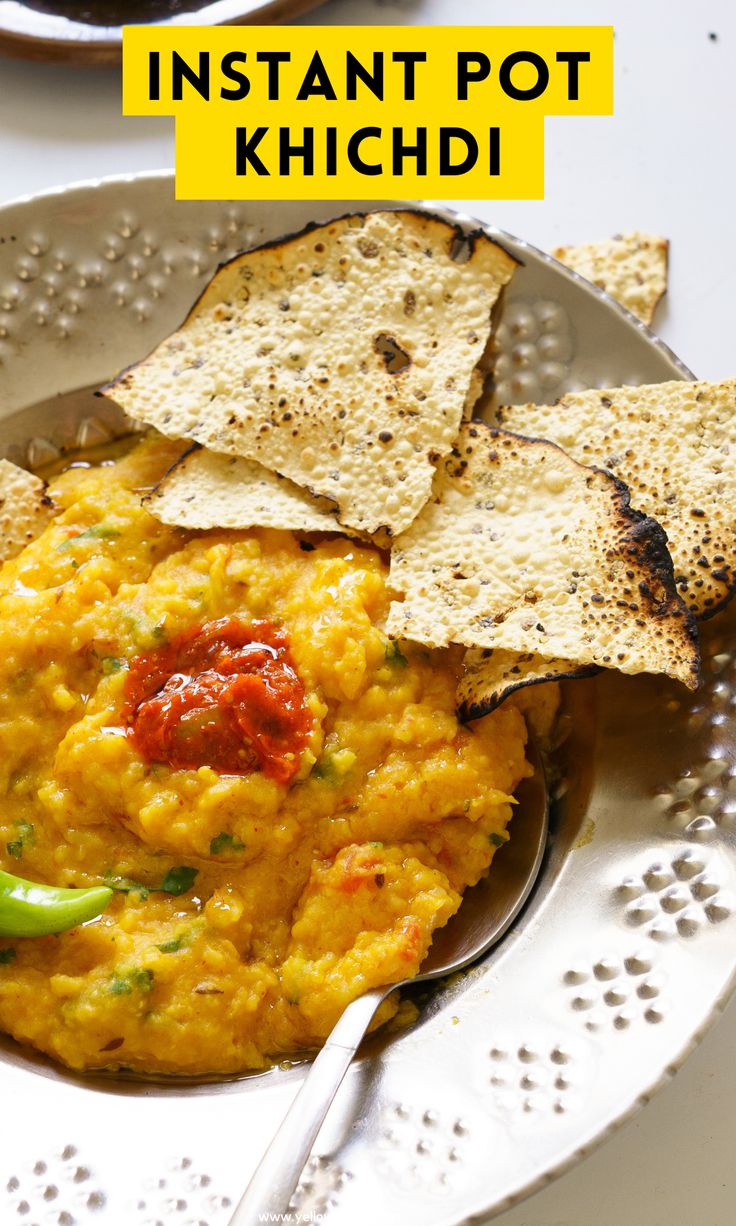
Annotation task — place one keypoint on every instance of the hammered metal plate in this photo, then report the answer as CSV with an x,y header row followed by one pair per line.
x,y
626,951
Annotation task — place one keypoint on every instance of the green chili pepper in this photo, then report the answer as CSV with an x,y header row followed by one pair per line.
x,y
28,909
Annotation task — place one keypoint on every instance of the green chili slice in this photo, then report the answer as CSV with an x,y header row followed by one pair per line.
x,y
28,909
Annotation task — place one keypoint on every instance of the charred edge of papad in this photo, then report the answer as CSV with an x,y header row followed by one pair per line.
x,y
485,365
727,580
730,585
157,489
643,538
476,709
456,232
649,540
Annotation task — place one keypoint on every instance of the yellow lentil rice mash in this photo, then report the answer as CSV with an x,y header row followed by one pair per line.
x,y
248,911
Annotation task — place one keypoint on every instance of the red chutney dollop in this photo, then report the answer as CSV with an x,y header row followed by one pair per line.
x,y
226,695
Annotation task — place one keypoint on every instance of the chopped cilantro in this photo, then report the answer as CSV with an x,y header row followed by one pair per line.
x,y
334,765
102,532
394,655
322,769
179,880
144,631
375,843
25,838
111,664
123,984
225,842
7,955
171,947
498,840
126,885
98,532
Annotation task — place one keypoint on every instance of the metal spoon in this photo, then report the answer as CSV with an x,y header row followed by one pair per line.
x,y
486,912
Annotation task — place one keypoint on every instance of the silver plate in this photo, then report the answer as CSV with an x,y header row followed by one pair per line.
x,y
63,30
626,951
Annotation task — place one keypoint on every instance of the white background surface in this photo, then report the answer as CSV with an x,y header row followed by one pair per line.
x,y
664,163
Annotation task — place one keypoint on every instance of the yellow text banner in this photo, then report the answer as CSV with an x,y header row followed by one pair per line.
x,y
331,112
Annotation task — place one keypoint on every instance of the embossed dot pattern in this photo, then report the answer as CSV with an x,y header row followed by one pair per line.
x,y
319,1188
702,799
58,1190
615,992
132,268
533,1080
420,1148
182,1196
677,897
532,352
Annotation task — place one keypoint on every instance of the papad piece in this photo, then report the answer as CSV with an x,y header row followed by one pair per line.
x,y
25,509
632,268
491,675
674,444
522,548
340,358
204,489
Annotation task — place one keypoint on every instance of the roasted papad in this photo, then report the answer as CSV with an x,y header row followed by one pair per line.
x,y
491,675
25,509
674,444
524,549
207,490
632,268
340,358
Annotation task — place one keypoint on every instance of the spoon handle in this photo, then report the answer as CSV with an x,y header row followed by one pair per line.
x,y
277,1174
